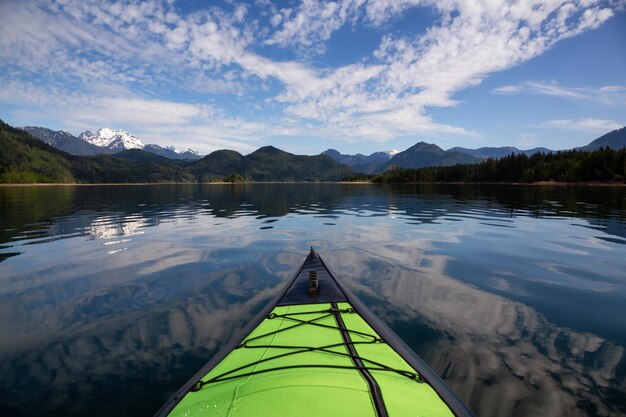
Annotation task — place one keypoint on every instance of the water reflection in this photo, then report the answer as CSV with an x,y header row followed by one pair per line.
x,y
487,346
116,295
35,212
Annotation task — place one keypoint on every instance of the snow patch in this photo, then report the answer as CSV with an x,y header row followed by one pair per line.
x,y
119,140
112,139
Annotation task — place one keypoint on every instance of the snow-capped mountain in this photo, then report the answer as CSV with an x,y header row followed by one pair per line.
x,y
112,139
392,153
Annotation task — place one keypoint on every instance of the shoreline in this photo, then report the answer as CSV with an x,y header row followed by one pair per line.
x,y
535,184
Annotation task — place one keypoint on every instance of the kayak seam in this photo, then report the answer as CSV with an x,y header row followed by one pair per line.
x,y
374,389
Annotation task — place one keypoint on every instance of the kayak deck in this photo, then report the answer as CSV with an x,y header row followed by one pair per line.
x,y
314,354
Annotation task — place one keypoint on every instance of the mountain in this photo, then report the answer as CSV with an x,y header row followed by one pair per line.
x,y
487,152
424,154
419,155
428,154
143,156
27,159
65,141
359,159
615,140
171,152
119,140
269,164
189,154
532,151
107,141
385,154
359,162
115,140
572,166
498,152
218,164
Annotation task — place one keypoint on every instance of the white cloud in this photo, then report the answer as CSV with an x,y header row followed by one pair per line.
x,y
483,38
310,25
610,94
527,140
379,12
508,89
313,22
584,124
33,33
103,109
233,134
472,40
65,49
155,121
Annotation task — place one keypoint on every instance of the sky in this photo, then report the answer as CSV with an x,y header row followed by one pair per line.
x,y
358,76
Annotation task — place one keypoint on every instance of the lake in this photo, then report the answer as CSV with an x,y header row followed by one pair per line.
x,y
111,297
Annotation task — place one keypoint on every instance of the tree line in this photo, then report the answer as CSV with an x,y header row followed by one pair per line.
x,y
605,165
25,159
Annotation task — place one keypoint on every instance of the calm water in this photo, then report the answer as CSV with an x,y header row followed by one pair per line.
x,y
112,297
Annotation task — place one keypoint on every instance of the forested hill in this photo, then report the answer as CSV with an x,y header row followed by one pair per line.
x,y
269,164
26,159
605,165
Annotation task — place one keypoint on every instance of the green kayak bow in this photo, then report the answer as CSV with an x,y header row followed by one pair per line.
x,y
315,351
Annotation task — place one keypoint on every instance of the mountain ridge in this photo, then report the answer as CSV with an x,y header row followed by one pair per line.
x,y
422,154
104,141
498,151
417,156
360,162
64,141
27,159
269,163
615,139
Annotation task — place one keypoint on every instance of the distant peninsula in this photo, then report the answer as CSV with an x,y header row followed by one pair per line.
x,y
605,166
27,159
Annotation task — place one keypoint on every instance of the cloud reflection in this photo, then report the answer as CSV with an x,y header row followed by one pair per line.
x,y
528,314
488,347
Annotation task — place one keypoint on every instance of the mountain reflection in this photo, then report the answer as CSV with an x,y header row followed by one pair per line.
x,y
31,213
112,297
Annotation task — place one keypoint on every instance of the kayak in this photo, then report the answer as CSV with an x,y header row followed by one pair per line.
x,y
315,351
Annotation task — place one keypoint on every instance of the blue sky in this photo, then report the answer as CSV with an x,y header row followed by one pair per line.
x,y
354,75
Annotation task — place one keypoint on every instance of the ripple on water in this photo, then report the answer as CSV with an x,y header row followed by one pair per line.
x,y
132,283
